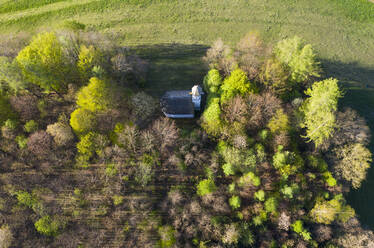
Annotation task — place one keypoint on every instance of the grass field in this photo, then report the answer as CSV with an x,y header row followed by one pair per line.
x,y
174,34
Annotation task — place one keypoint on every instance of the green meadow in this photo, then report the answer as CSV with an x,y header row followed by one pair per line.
x,y
174,34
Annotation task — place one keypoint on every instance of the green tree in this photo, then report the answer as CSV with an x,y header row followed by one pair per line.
x,y
235,202
167,238
319,110
300,58
96,96
211,119
212,81
205,187
82,121
354,162
236,84
47,226
88,58
43,63
11,76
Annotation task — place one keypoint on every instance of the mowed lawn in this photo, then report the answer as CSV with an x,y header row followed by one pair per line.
x,y
174,35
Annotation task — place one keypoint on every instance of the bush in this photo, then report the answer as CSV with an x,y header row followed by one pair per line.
x,y
21,141
235,202
117,200
47,226
212,81
205,187
236,84
31,126
82,121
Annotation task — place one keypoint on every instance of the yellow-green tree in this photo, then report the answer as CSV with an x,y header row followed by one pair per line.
x,y
96,96
319,110
43,63
236,84
82,121
300,58
88,58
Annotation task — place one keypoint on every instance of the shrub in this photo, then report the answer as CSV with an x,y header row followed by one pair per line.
x,y
82,121
96,96
31,126
47,226
167,236
61,132
212,81
11,124
43,63
211,120
205,187
300,58
111,170
236,84
235,202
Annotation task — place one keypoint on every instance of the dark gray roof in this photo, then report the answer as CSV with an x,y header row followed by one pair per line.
x,y
177,102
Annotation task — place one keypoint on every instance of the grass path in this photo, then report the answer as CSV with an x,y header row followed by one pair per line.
x,y
174,34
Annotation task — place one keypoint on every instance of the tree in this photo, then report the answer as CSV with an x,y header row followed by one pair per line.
x,y
205,187
300,58
274,76
220,57
5,109
319,110
167,236
96,96
212,81
42,62
47,226
143,106
6,237
40,143
82,121
11,76
211,120
88,58
354,162
250,53
61,132
26,106
236,84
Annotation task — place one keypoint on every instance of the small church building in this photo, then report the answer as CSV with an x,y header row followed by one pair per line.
x,y
182,103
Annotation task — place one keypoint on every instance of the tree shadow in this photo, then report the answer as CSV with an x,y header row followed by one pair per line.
x,y
172,66
358,85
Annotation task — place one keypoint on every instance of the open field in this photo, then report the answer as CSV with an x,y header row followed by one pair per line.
x,y
175,34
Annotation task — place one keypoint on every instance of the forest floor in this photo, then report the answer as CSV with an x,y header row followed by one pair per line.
x,y
174,35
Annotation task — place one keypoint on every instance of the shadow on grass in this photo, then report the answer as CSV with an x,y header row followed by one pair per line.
x,y
172,66
358,84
